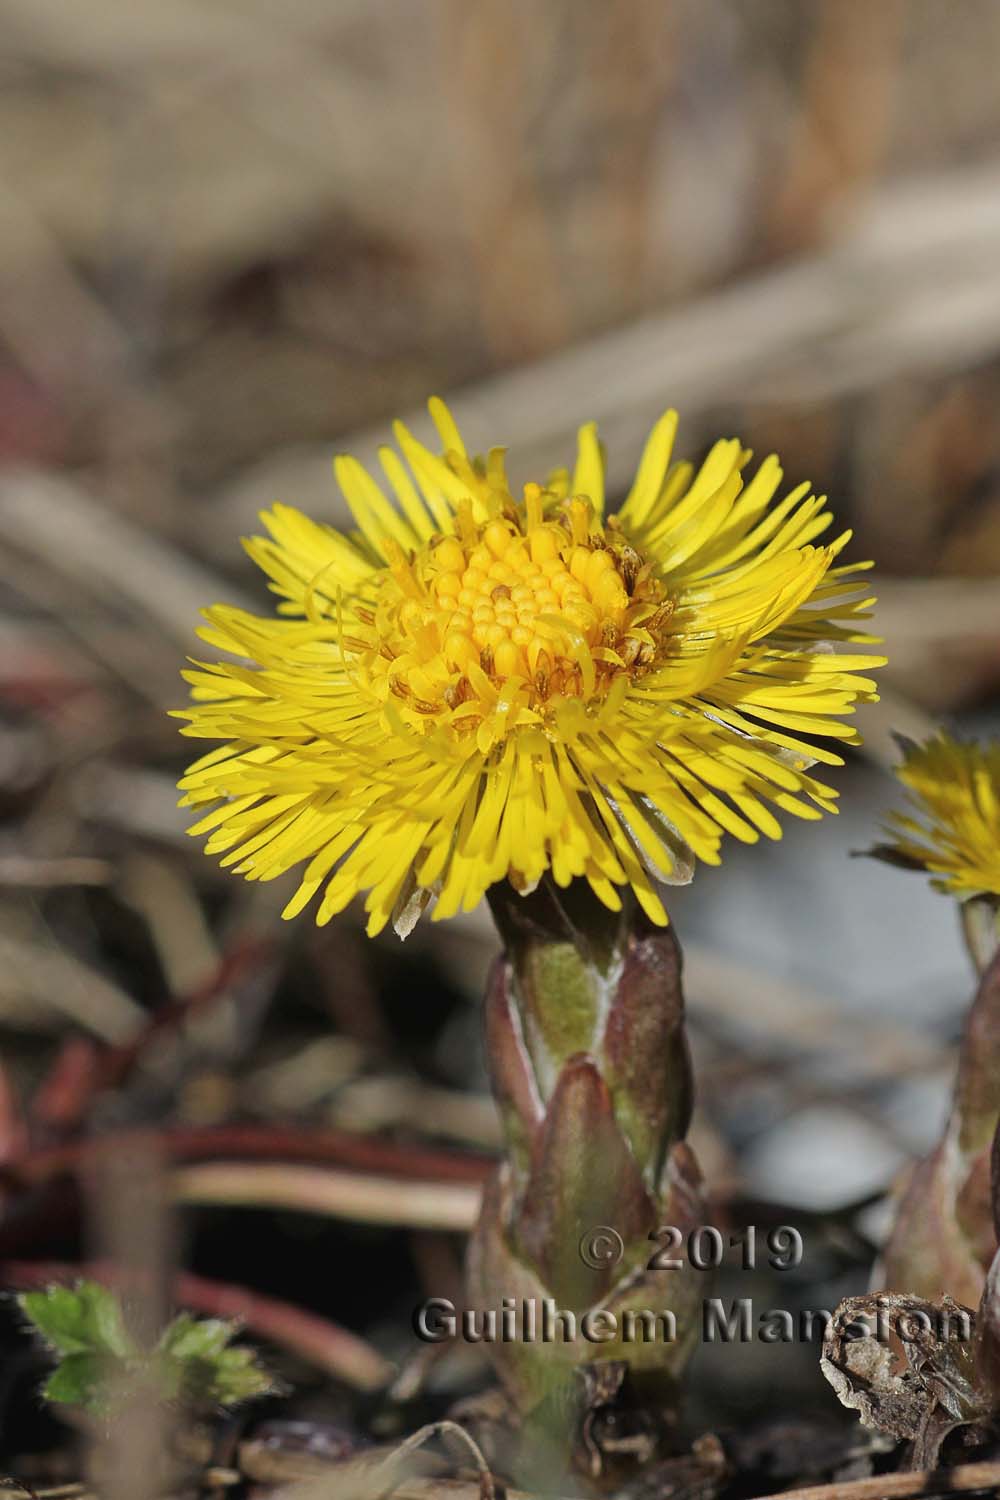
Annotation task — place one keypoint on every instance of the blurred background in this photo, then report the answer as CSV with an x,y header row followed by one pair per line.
x,y
237,237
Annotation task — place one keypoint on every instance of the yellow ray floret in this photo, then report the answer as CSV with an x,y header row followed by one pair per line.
x,y
473,686
955,792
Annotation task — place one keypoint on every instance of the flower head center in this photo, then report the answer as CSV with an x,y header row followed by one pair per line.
x,y
538,600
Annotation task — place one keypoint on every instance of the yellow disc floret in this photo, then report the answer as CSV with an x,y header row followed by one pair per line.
x,y
539,602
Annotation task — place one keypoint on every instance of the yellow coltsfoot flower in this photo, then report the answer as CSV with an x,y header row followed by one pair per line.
x,y
942,1238
474,686
954,787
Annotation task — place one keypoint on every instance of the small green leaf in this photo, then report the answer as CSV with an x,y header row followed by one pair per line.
x,y
105,1320
202,1368
191,1338
193,1362
232,1376
78,1380
57,1315
237,1376
83,1319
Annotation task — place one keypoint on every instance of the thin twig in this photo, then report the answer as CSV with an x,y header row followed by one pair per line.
x,y
367,1476
274,1143
436,1488
487,1488
52,1492
328,1191
929,1484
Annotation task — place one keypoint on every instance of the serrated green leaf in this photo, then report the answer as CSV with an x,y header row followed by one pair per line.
x,y
190,1338
77,1380
237,1376
56,1315
83,1319
60,1316
200,1365
105,1320
233,1375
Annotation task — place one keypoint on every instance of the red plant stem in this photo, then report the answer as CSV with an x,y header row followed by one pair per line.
x,y
243,958
41,1187
12,1128
62,1098
326,1345
279,1143
83,1070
